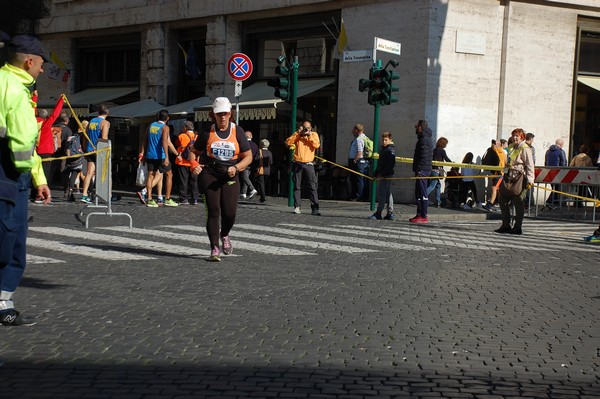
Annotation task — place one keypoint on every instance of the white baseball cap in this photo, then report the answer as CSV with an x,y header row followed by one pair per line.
x,y
221,104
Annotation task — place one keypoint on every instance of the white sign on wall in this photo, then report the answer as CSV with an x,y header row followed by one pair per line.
x,y
358,55
387,46
470,43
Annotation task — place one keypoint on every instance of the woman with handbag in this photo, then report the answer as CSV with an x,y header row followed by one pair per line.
x,y
439,154
264,160
516,181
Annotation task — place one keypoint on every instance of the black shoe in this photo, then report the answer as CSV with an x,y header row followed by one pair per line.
x,y
516,230
503,230
12,317
315,212
115,198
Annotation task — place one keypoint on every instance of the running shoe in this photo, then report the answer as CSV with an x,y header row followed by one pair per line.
x,y
389,216
215,255
227,247
170,202
184,202
160,201
252,194
86,198
419,219
151,204
142,197
12,317
375,216
297,210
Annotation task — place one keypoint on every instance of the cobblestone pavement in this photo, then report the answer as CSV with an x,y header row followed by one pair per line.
x,y
336,306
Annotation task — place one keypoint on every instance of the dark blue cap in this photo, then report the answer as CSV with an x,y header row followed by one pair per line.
x,y
28,44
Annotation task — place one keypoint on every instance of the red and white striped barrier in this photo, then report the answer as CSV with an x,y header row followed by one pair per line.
x,y
566,175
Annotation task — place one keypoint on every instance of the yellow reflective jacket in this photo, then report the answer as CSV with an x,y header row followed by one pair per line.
x,y
18,127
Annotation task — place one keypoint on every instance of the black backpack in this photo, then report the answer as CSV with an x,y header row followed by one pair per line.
x,y
490,158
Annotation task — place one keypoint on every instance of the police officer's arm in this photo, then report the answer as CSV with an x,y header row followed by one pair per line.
x,y
21,130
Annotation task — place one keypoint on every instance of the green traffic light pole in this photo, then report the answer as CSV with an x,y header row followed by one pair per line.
x,y
294,98
375,143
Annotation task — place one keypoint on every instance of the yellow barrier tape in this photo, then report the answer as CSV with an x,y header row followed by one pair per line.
x,y
586,199
471,166
78,122
74,156
345,168
414,178
105,165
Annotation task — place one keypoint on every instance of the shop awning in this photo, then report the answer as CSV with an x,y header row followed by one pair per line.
x,y
99,95
81,100
188,107
591,81
258,101
138,109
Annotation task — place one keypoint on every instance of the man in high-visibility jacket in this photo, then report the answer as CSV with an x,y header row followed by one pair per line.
x,y
18,165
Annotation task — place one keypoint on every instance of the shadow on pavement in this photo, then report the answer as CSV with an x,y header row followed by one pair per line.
x,y
39,284
82,380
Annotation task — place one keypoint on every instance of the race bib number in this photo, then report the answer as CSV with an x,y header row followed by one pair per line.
x,y
223,150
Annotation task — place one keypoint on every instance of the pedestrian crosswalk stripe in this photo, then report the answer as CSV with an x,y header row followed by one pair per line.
x,y
540,242
83,250
532,238
150,246
203,239
425,240
37,260
347,236
282,240
439,237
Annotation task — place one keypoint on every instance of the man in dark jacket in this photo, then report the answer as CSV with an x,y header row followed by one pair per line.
x,y
422,168
555,156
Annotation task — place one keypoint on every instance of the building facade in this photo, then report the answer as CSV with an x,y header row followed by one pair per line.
x,y
475,69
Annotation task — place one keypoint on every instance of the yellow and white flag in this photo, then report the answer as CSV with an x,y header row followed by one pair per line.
x,y
342,40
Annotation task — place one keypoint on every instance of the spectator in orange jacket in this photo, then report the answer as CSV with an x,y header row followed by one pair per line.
x,y
305,142
188,182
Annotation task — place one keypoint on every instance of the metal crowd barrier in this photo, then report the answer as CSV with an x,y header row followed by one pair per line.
x,y
565,193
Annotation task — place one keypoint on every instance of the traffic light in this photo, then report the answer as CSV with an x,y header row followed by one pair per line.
x,y
381,94
282,84
391,88
380,84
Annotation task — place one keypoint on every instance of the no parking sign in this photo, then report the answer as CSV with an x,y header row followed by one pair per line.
x,y
239,66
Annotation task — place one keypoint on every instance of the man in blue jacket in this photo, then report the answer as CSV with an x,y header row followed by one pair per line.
x,y
555,156
422,168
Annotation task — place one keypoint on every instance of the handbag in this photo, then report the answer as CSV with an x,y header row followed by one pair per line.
x,y
513,183
261,169
142,174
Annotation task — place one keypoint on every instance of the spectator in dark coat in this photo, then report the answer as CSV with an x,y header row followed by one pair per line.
x,y
555,156
422,168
